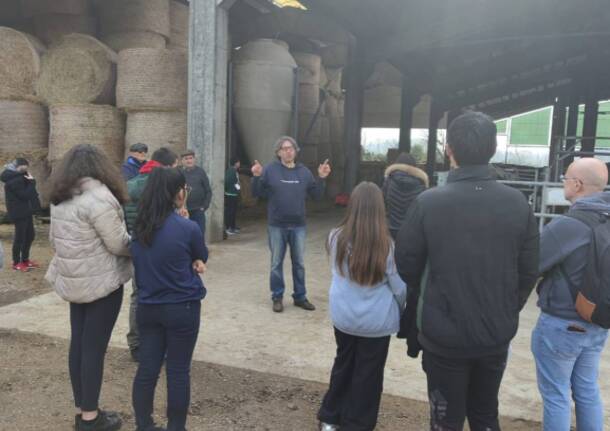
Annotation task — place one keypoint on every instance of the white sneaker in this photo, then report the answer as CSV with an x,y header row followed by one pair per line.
x,y
328,427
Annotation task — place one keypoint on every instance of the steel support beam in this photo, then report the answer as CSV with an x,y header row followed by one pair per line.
x,y
435,116
354,104
408,102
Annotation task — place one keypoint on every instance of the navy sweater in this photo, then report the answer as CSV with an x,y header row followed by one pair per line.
x,y
286,189
164,271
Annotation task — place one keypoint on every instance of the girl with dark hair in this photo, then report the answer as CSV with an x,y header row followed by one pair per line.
x,y
90,266
168,255
366,298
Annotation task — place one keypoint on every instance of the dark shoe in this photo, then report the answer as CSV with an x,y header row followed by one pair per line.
x,y
105,421
305,305
135,357
278,305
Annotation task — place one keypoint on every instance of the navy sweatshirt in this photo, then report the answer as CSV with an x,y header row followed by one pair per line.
x,y
286,189
164,271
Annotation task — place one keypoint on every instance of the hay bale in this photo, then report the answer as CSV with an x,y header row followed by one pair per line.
x,y
152,79
19,64
120,16
50,28
246,198
157,129
179,25
309,67
32,8
79,69
134,39
23,126
100,125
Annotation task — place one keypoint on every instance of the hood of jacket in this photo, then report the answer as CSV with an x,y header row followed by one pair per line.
x,y
10,172
149,166
597,202
409,170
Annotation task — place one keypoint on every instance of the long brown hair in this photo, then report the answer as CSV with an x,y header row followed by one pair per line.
x,y
362,238
83,161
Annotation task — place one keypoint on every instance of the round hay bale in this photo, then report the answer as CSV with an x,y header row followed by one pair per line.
x,y
119,16
79,69
100,125
134,39
19,64
23,126
309,98
50,28
157,129
179,25
32,8
152,79
309,67
333,86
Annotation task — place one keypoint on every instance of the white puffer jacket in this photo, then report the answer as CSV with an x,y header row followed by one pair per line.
x,y
90,240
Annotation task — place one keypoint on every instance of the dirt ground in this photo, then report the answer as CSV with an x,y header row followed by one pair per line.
x,y
35,394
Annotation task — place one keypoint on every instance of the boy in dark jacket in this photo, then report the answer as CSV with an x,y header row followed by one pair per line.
x,y
21,204
403,182
470,251
135,161
200,193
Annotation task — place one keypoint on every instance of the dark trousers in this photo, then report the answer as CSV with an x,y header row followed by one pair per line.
x,y
198,216
356,383
24,237
231,211
91,326
165,329
460,388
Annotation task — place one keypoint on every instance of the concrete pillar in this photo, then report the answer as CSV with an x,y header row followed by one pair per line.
x,y
435,116
207,106
558,130
408,102
354,104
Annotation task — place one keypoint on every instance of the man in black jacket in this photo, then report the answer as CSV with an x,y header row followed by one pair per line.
x,y
21,203
200,193
470,251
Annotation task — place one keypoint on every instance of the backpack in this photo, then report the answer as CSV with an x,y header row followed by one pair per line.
x,y
592,297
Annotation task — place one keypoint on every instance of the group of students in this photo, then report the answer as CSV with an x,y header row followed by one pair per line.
x,y
448,268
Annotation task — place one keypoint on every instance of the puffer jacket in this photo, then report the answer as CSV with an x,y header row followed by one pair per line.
x,y
401,186
90,240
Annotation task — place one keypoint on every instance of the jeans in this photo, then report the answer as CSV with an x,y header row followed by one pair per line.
x,y
24,237
198,216
231,211
356,382
567,366
279,238
172,330
460,387
91,325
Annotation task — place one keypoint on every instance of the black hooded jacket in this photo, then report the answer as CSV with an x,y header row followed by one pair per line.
x,y
20,194
401,186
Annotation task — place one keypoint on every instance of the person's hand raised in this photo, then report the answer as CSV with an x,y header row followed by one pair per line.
x,y
257,169
324,169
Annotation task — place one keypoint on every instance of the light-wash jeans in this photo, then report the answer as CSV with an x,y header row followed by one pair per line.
x,y
279,239
567,366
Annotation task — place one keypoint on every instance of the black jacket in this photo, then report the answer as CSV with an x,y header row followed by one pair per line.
x,y
401,186
201,192
472,246
20,194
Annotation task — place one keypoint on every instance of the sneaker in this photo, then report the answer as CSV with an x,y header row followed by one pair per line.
x,y
278,305
305,305
21,266
31,264
328,427
236,230
229,232
105,421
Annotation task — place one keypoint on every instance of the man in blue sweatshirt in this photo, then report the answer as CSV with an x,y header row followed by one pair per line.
x,y
286,184
567,349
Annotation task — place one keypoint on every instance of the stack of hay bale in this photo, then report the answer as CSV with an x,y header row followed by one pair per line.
x,y
310,111
134,23
23,120
179,26
152,89
53,19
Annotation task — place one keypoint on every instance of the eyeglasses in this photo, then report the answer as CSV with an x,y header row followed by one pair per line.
x,y
563,178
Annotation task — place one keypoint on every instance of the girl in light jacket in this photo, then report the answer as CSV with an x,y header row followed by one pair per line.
x,y
90,266
367,297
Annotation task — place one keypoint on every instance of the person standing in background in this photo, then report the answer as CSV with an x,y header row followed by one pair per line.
x,y
21,204
135,161
200,193
232,191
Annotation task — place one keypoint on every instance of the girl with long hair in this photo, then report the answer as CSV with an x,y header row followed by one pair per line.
x,y
168,253
366,298
90,266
